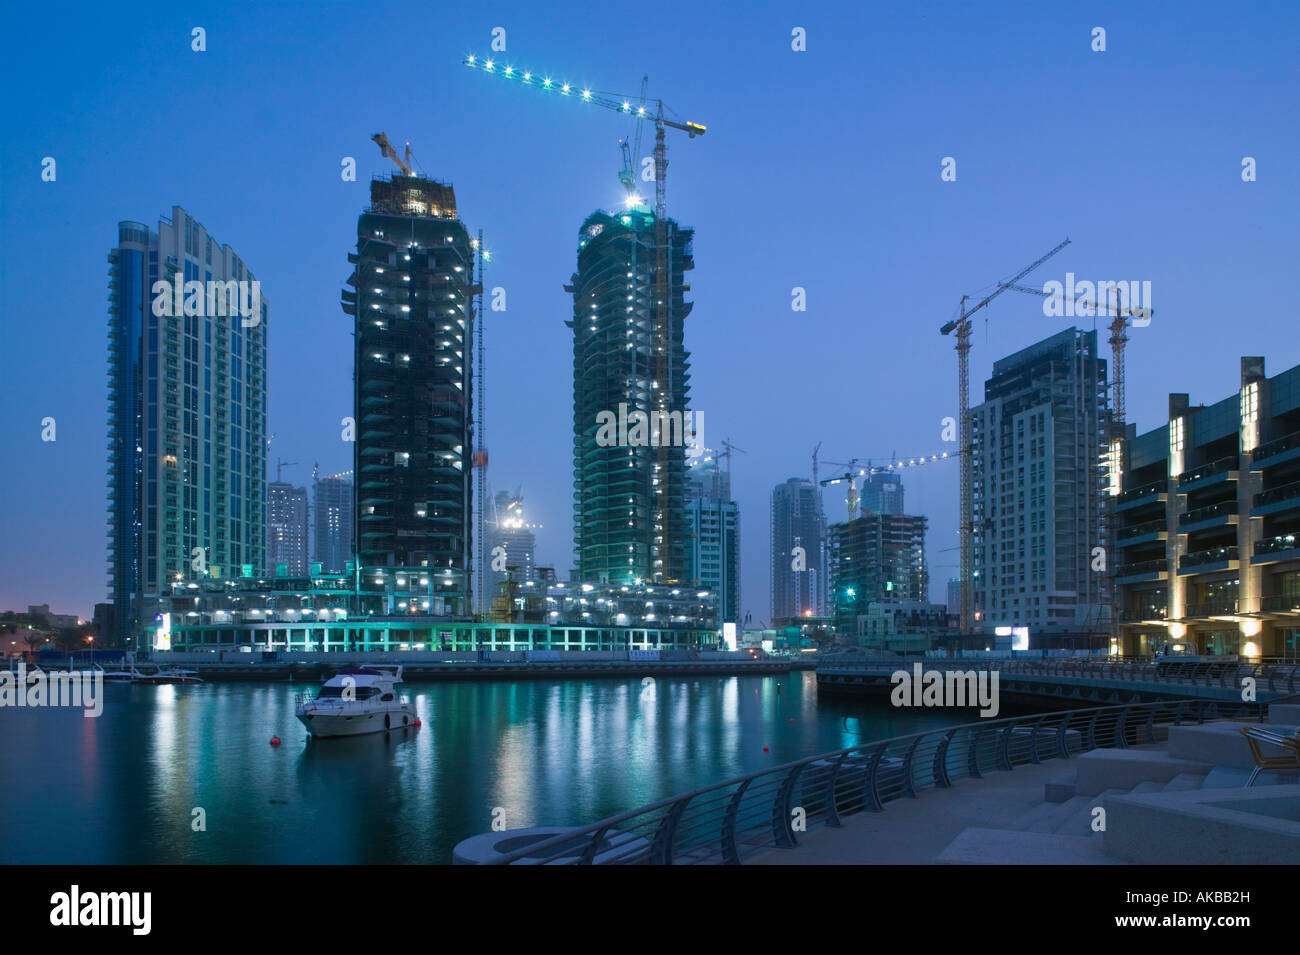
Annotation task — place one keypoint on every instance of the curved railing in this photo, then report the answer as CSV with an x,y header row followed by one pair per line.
x,y
732,820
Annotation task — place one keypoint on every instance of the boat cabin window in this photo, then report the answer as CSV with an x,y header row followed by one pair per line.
x,y
386,698
359,692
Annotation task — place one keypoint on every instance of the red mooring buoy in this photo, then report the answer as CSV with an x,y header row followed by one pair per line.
x,y
417,722
765,749
275,741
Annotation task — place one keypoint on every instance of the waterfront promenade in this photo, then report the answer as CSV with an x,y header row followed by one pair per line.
x,y
1149,783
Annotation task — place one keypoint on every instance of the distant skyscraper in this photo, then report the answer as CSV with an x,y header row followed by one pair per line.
x,y
876,558
1037,495
334,526
630,496
412,299
954,596
510,531
798,579
187,414
286,528
882,493
713,528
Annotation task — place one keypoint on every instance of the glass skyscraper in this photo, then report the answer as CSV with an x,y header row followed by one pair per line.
x,y
187,414
629,493
412,298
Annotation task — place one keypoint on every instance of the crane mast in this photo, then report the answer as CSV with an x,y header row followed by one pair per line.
x,y
662,336
962,326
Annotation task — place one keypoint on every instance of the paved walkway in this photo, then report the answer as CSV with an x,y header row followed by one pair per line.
x,y
918,831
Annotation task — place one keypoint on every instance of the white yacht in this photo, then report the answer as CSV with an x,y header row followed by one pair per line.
x,y
357,700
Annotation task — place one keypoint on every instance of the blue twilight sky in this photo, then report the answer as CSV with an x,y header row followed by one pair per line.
x,y
821,169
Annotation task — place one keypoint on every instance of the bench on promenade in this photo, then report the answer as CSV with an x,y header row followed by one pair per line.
x,y
1287,763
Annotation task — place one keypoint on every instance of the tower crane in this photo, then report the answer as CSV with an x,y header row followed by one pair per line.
x,y
631,154
280,464
662,385
894,464
381,140
962,326
1118,337
729,447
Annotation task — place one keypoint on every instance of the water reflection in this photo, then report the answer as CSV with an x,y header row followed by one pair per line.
x,y
124,787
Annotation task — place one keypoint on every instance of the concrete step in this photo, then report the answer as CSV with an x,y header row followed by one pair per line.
x,y
1049,816
1148,787
1079,822
1060,789
1230,777
1002,847
1184,782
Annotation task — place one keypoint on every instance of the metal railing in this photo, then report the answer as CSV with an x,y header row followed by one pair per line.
x,y
1272,676
1140,530
1276,446
1217,555
729,821
1207,513
1142,567
1286,492
1207,470
1275,545
1133,494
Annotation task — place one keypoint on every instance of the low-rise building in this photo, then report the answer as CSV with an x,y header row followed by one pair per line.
x,y
1207,524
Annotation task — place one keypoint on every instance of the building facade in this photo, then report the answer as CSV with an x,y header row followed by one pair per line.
x,y
187,414
412,298
1208,525
512,542
630,485
713,528
876,558
286,529
334,528
1040,443
799,578
882,492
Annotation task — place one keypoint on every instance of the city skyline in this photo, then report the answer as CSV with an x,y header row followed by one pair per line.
x,y
1210,243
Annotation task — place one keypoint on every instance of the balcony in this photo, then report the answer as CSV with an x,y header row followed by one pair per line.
x,y
1208,561
1216,515
1147,494
1148,532
1142,614
1275,550
1142,570
1286,448
1284,498
1218,607
1280,603
1216,472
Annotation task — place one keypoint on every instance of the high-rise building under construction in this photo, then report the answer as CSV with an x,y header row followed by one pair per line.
x,y
412,299
631,385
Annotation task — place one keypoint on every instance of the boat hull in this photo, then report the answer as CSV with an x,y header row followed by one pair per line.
x,y
325,723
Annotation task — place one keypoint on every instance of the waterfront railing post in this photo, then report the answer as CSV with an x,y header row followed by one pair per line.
x,y
832,809
782,824
941,778
661,850
907,768
973,757
730,853
871,791
1004,747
